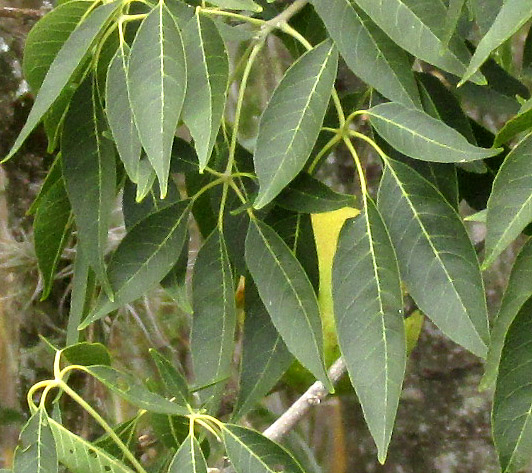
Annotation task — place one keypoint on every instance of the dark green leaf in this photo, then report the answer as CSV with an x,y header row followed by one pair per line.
x,y
54,174
454,12
170,430
189,458
175,282
437,260
485,12
174,382
519,123
86,354
287,295
292,120
157,77
126,432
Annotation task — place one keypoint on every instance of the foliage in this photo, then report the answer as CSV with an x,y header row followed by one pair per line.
x,y
115,82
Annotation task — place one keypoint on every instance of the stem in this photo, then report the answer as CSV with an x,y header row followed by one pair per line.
x,y
375,146
358,164
205,188
236,16
328,147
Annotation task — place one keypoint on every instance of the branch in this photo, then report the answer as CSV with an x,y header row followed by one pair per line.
x,y
21,13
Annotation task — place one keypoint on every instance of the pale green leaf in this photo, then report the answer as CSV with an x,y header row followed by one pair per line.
x,y
157,77
436,257
249,5
420,136
64,66
288,296
207,81
510,202
368,52
369,319
188,458
292,120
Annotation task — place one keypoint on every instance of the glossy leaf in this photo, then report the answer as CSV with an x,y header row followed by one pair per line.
x,y
288,296
157,77
51,229
250,451
214,317
174,382
369,319
264,354
145,255
425,228
188,458
512,402
36,452
418,135
510,202
518,291
63,67
292,120
89,171
368,52
207,81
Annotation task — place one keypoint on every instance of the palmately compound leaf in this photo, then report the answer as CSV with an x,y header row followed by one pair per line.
x,y
512,402
292,120
436,258
36,452
368,52
510,202
511,17
288,296
89,170
157,81
142,259
250,451
188,458
420,136
214,317
64,66
518,291
369,320
207,81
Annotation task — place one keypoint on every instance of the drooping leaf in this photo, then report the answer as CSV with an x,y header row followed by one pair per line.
x,y
250,451
174,382
511,17
288,296
157,78
214,317
189,458
264,354
369,319
518,291
64,66
436,258
418,135
89,170
128,388
36,452
145,255
207,81
510,203
368,52
85,354
51,229
249,5
512,402
518,124
292,120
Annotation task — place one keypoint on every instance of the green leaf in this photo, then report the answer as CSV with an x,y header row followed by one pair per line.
x,y
485,12
64,66
89,171
287,295
174,382
51,229
189,458
55,173
368,52
510,202
418,135
214,317
119,114
157,78
517,124
36,452
518,291
418,26
369,319
81,456
512,402
126,432
249,5
128,388
264,355
170,430
250,451
86,354
512,16
454,12
145,255
436,257
207,81
292,120
306,194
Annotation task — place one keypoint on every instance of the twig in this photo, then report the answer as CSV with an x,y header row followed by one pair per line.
x,y
21,13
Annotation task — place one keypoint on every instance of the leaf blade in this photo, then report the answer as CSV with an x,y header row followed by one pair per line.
x,y
188,458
